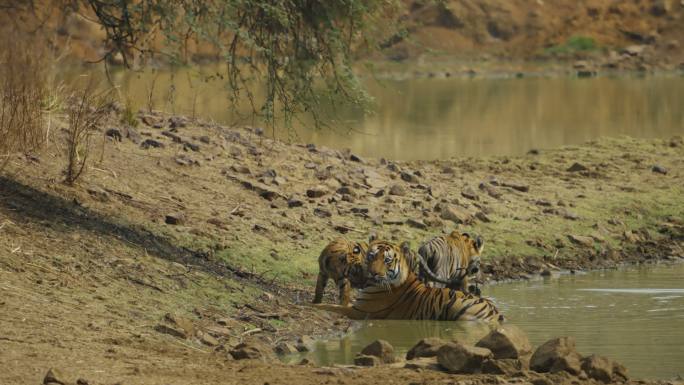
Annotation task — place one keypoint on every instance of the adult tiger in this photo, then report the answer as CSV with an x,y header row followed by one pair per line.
x,y
394,292
452,259
342,261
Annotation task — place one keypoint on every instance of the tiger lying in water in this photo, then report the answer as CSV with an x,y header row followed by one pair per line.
x,y
343,262
394,292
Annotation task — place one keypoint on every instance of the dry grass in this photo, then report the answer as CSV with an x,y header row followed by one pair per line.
x,y
88,108
24,93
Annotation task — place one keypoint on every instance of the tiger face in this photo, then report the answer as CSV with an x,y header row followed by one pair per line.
x,y
386,264
472,247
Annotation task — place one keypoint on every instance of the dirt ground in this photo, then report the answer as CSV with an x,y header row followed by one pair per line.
x,y
161,259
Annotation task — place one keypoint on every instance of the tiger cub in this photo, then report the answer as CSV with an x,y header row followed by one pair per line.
x,y
394,292
343,262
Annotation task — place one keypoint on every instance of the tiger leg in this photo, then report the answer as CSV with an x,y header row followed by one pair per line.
x,y
320,287
346,311
345,291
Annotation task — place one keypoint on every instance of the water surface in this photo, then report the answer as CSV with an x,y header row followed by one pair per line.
x,y
440,118
635,316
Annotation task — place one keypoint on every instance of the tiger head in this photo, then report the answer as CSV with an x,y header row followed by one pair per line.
x,y
472,248
343,258
387,265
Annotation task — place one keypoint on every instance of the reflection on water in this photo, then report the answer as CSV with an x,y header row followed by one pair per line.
x,y
634,316
401,334
441,118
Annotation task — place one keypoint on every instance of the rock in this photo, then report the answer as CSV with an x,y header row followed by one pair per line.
x,y
603,369
634,50
191,146
207,339
409,177
235,152
490,190
184,323
381,349
397,189
114,133
151,143
427,347
458,358
581,240
455,214
291,203
98,193
516,186
366,360
506,341
133,135
317,191
482,216
507,367
661,7
558,354
205,139
285,348
304,343
151,121
416,223
174,331
659,169
322,213
240,169
54,377
177,122
248,351
423,363
346,190
577,167
175,219
175,138
356,158
469,193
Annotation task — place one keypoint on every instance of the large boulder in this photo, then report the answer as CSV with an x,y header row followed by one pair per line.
x,y
603,369
507,367
366,360
506,341
381,349
427,347
458,358
558,354
250,351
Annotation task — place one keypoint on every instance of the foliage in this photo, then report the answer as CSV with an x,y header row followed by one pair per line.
x,y
296,53
574,44
24,94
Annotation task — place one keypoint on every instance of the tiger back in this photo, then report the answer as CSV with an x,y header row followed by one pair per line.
x,y
343,262
454,257
395,292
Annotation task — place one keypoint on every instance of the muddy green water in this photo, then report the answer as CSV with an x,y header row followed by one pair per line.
x,y
441,118
635,316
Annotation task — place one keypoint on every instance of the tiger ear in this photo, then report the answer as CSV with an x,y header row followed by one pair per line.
x,y
405,248
479,244
372,236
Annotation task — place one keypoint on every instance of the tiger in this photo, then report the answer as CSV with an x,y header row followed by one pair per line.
x,y
394,291
453,259
342,261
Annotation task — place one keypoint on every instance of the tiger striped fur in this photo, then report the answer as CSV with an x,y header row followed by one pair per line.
x,y
343,262
394,292
453,259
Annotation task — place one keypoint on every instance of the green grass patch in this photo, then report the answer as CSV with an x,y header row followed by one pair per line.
x,y
572,45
